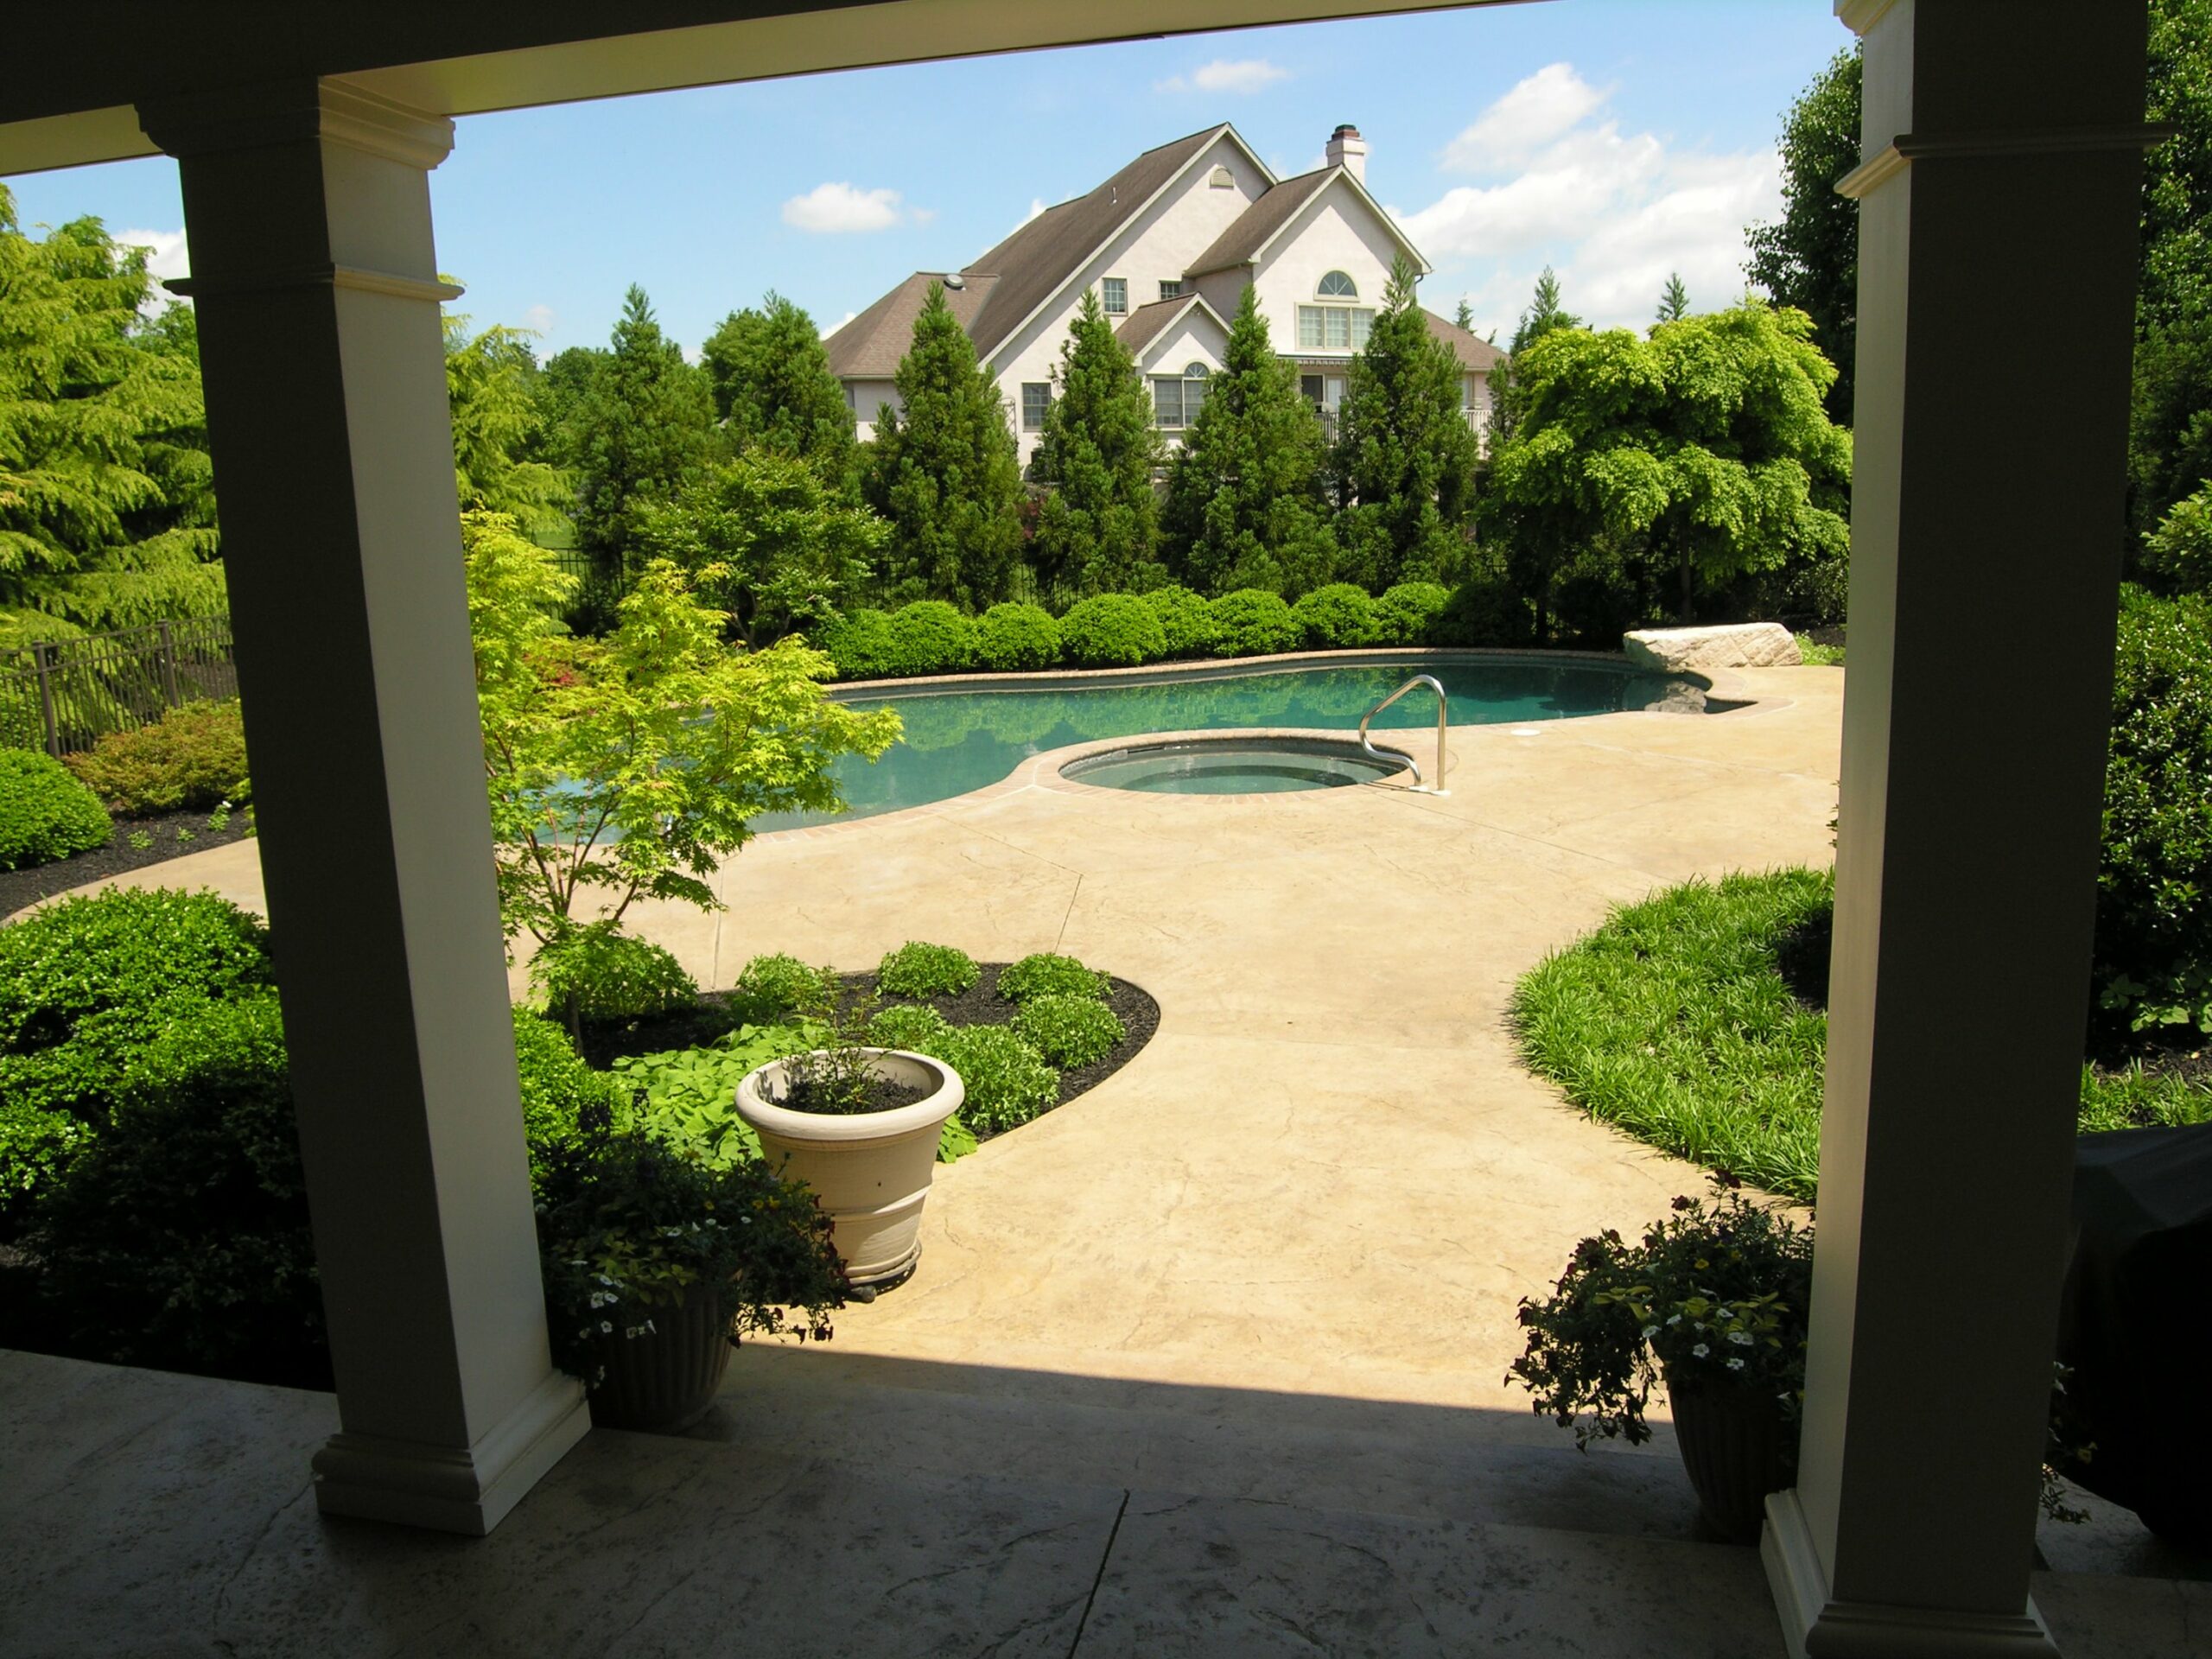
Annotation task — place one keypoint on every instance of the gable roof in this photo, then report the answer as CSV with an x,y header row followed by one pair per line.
x,y
1241,243
869,346
1477,354
1148,322
1036,262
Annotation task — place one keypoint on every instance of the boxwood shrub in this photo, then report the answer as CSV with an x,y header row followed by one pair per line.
x,y
1338,616
919,969
45,813
1186,621
1407,614
1044,974
930,637
600,973
860,643
1012,638
1253,622
1069,1029
192,757
1007,1081
1484,611
773,987
1112,630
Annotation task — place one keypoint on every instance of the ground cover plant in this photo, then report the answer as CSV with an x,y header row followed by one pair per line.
x,y
193,756
46,815
1678,1020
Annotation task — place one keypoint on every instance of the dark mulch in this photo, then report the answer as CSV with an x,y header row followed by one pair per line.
x,y
1829,633
20,887
980,1005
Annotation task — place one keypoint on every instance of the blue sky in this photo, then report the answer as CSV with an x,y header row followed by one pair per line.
x,y
1615,141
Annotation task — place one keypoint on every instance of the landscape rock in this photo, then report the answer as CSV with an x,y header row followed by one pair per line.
x,y
1734,644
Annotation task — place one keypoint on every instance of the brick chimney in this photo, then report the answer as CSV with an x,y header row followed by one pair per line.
x,y
1348,149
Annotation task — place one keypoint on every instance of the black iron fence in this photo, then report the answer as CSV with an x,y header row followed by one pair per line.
x,y
66,695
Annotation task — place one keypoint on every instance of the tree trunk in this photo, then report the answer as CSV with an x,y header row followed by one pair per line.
x,y
1682,614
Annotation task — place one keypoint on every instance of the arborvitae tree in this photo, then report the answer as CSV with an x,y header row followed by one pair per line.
x,y
1465,317
498,421
1405,456
643,430
107,507
774,389
1247,505
1809,256
946,471
1674,298
1100,526
1545,313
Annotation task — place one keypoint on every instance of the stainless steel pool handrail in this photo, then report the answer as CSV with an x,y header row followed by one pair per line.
x,y
1442,710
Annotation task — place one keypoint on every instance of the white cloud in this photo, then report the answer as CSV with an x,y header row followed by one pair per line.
x,y
538,319
831,209
165,256
1614,213
840,323
1232,75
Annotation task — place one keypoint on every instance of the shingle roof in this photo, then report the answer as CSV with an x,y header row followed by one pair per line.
x,y
870,345
1243,239
1033,263
1145,324
1480,356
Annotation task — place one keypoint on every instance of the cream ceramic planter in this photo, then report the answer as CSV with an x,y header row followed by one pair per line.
x,y
871,1170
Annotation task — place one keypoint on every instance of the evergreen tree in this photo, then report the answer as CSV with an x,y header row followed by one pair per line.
x,y
946,471
1674,298
1809,256
1246,503
1465,317
1405,456
642,431
2170,447
107,507
1100,526
1545,313
498,429
772,387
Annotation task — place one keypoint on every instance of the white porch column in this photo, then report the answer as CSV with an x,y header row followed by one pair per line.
x,y
1999,202
308,211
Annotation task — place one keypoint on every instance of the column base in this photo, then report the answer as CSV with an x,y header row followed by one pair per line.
x,y
468,1491
1818,1626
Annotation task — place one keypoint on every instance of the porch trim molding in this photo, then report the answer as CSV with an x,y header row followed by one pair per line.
x,y
1818,1626
1907,147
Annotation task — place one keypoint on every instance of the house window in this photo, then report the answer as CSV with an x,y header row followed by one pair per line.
x,y
1176,401
852,400
1036,399
1311,386
1171,287
1114,294
1334,327
1338,286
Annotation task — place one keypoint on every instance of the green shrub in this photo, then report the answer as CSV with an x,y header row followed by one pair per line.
x,y
2154,890
1112,630
861,645
559,1091
773,988
1012,638
85,982
1186,621
1007,1081
919,969
2178,555
193,757
1070,1031
178,1237
1407,613
1046,974
1253,622
35,1147
45,813
930,637
1338,616
909,1026
600,973
1483,611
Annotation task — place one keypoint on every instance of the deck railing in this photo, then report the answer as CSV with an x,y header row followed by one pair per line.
x,y
64,694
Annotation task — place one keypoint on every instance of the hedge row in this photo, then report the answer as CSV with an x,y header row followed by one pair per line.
x,y
1128,630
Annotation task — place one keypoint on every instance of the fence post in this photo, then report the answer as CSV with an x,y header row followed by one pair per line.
x,y
46,700
168,667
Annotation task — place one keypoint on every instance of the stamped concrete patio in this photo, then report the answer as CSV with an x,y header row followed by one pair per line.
x,y
1210,1361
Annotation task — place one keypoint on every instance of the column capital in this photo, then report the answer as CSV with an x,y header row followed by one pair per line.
x,y
1859,16
285,112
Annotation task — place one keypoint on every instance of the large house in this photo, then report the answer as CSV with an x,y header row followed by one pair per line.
x,y
1168,244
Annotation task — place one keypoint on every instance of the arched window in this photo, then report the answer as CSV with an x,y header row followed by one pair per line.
x,y
1338,286
1176,401
1335,324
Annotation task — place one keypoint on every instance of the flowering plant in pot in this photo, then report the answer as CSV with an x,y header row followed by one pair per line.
x,y
657,1261
1712,1300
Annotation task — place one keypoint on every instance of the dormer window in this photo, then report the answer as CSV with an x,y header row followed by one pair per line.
x,y
1334,324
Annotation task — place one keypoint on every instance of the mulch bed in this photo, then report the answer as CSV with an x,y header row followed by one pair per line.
x,y
980,1005
119,857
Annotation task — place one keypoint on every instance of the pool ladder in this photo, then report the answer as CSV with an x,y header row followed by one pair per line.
x,y
1420,783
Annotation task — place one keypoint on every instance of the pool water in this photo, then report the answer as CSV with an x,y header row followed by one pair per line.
x,y
1230,766
965,739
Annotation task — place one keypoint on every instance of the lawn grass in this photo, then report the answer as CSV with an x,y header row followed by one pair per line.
x,y
1673,1021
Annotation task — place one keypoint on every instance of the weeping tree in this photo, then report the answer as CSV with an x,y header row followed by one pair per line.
x,y
107,505
1100,526
500,432
1246,503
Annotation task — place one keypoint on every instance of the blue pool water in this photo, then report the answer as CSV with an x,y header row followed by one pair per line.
x,y
963,740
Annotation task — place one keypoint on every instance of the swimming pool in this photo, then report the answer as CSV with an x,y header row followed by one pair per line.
x,y
962,738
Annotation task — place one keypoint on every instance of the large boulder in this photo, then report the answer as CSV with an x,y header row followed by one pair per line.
x,y
1733,645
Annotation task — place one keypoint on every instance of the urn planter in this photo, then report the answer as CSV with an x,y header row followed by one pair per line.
x,y
663,1380
871,1170
1734,1448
